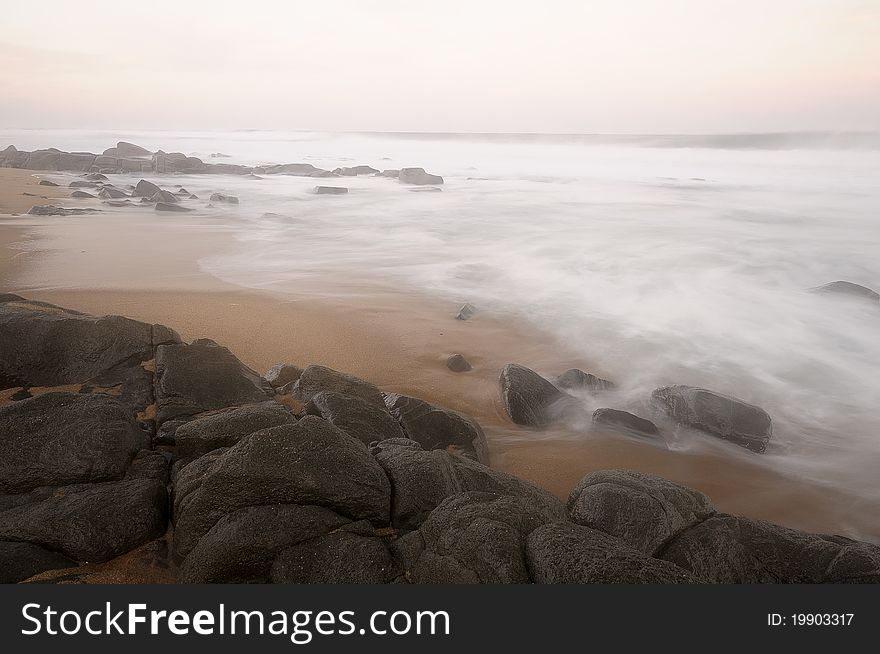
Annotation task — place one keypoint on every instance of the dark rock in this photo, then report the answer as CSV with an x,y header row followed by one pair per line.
x,y
226,428
418,176
112,193
642,510
282,374
315,379
222,197
83,183
56,439
91,522
150,464
145,189
457,363
331,190
96,177
174,208
421,480
721,415
46,182
578,380
201,377
46,210
18,561
730,549
849,289
164,196
359,419
565,553
436,428
82,194
466,312
626,421
473,538
529,399
306,462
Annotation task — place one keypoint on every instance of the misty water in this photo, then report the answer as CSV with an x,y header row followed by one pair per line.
x,y
662,260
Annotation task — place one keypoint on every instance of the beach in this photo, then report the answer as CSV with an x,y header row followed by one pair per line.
x,y
144,265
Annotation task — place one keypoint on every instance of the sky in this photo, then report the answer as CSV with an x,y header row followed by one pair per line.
x,y
551,66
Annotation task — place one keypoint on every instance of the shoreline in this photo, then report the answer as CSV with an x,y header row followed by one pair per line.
x,y
398,341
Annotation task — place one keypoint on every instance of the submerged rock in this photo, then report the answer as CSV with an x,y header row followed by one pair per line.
x,y
457,363
529,399
849,289
223,197
625,420
721,415
48,210
418,176
165,206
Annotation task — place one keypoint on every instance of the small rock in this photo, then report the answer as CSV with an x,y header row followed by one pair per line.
x,y
222,197
457,363
331,190
626,420
466,312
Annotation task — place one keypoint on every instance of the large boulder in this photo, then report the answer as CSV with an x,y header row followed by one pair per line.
x,y
732,549
641,510
529,399
422,479
720,415
436,428
90,522
418,176
356,417
203,376
566,553
307,462
56,439
315,379
227,427
473,538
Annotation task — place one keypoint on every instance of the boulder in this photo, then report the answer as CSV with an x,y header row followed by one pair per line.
x,y
473,538
721,415
331,190
641,510
436,428
164,196
849,289
566,553
529,399
227,427
203,376
731,549
625,421
91,522
359,419
57,439
315,379
112,193
308,462
457,363
418,176
223,197
578,380
82,195
145,189
422,479
18,561
282,374
173,208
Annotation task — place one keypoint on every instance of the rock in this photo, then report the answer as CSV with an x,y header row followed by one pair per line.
x,y
418,176
392,173
46,182
625,420
308,462
47,210
315,379
578,380
421,480
82,194
18,561
91,522
82,183
112,193
721,415
466,312
457,363
473,538
426,189
76,161
529,399
96,177
298,169
282,374
642,510
323,173
151,464
352,554
164,196
243,545
43,159
436,428
731,549
204,376
222,197
228,427
354,171
359,419
145,189
565,553
331,190
55,439
176,208
849,289
125,149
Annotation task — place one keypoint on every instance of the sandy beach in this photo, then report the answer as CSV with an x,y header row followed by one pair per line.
x,y
144,265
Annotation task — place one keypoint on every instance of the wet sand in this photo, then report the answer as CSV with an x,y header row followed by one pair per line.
x,y
144,265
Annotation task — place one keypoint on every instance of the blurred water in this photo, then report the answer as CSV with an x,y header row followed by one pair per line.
x,y
662,260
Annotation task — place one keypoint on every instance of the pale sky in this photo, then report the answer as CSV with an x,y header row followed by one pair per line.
x,y
611,66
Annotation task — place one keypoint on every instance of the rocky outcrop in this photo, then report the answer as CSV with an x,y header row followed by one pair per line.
x,y
529,399
721,415
418,176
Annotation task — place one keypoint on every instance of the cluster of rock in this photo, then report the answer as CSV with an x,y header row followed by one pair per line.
x,y
115,433
531,400
130,158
